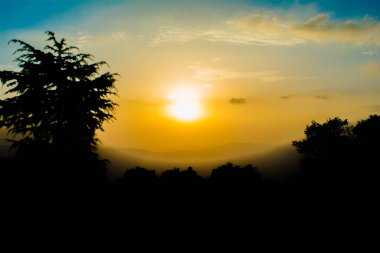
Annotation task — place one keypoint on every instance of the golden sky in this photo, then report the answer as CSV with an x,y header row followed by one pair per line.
x,y
198,74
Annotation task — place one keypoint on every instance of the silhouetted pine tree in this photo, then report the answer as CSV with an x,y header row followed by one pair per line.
x,y
56,102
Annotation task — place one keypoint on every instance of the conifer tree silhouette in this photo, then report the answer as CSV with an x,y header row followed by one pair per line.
x,y
56,102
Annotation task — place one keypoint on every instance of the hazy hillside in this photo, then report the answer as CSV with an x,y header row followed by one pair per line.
x,y
273,161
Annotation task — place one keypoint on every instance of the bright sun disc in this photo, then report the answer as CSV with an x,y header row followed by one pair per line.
x,y
185,110
184,105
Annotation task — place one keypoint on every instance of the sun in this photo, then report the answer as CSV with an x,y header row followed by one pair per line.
x,y
184,104
185,110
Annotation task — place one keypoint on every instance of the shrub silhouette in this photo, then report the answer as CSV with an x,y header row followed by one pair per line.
x,y
57,102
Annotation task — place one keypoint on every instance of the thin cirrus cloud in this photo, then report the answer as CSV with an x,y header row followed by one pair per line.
x,y
318,28
210,74
84,39
226,35
174,34
278,30
369,53
365,31
322,97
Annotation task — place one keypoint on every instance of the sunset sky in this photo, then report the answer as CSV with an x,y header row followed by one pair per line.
x,y
199,74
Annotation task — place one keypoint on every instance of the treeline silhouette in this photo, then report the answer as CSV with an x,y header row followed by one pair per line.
x,y
340,164
337,158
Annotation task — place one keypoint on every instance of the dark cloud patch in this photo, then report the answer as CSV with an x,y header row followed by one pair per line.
x,y
321,97
237,101
288,96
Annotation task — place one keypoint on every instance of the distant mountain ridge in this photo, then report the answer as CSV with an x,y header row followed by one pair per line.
x,y
272,160
229,150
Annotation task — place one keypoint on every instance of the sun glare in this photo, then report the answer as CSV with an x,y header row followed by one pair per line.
x,y
184,105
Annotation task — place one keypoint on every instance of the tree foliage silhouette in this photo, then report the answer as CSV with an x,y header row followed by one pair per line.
x,y
329,155
325,140
56,101
368,132
340,159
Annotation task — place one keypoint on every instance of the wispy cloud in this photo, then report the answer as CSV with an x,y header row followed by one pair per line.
x,y
322,28
83,39
369,53
210,74
322,97
243,38
267,28
318,28
119,36
278,30
174,34
226,35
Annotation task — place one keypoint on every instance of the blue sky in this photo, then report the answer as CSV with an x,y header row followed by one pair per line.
x,y
28,13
